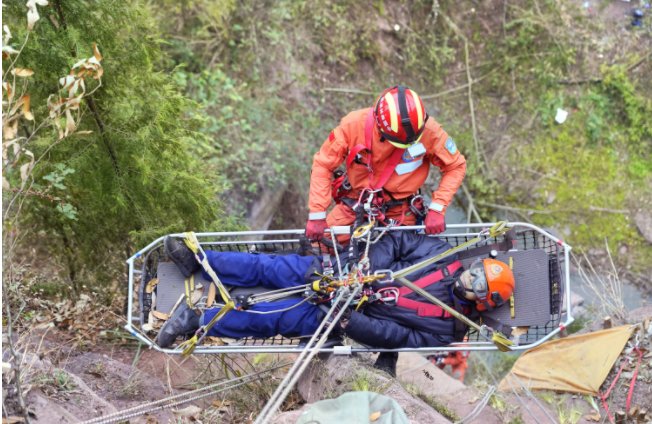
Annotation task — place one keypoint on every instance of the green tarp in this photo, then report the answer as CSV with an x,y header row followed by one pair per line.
x,y
355,408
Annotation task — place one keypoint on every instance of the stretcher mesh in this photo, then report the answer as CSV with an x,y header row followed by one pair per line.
x,y
529,245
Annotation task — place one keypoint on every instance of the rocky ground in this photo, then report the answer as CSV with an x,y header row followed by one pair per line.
x,y
66,384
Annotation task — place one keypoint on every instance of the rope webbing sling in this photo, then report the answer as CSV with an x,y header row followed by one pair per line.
x,y
193,244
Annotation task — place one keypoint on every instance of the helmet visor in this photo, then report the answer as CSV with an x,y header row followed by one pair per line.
x,y
479,281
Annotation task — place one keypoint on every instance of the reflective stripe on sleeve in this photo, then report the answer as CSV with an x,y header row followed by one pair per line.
x,y
317,215
437,207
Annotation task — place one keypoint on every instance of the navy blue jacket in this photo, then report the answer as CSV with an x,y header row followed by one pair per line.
x,y
391,326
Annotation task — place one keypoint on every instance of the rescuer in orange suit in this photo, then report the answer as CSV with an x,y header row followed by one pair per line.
x,y
388,150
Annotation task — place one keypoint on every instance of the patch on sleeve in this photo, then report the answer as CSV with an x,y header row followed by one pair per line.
x,y
331,136
450,146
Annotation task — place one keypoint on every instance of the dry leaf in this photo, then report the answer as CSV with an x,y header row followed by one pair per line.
x,y
221,404
518,332
160,315
32,12
593,417
13,420
5,184
188,411
70,122
7,37
9,89
26,112
374,416
96,52
22,72
24,171
66,81
10,130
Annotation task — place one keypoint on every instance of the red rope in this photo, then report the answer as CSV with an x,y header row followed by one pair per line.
x,y
604,396
631,385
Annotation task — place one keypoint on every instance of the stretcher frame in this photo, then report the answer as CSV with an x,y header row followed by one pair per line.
x,y
142,267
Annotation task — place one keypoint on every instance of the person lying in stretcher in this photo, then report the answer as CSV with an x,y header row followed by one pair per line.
x,y
397,318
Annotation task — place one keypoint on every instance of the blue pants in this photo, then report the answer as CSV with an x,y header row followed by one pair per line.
x,y
293,319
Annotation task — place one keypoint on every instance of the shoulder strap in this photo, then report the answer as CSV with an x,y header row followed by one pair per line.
x,y
393,161
353,153
369,129
368,135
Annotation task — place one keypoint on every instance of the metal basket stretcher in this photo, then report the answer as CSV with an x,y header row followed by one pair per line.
x,y
538,312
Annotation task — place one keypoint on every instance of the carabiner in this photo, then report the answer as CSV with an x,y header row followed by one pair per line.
x,y
363,230
385,276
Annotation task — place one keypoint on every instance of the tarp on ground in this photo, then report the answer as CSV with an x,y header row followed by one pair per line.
x,y
577,364
355,407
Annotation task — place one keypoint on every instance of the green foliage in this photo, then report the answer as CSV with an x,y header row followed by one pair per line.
x,y
487,367
595,164
578,325
55,382
252,139
130,172
343,30
440,407
632,109
534,50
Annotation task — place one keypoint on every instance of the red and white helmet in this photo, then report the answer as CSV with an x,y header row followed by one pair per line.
x,y
400,116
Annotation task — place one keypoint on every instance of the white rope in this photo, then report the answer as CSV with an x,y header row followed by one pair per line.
x,y
279,310
337,255
168,401
479,407
312,348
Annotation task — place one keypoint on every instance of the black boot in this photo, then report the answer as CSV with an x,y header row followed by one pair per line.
x,y
386,361
181,255
183,322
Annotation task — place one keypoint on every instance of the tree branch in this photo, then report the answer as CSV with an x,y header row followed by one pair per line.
x,y
482,162
16,362
472,209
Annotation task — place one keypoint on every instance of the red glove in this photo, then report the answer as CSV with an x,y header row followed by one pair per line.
x,y
435,222
315,229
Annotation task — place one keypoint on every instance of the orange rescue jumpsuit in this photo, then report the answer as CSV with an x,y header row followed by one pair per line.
x,y
405,181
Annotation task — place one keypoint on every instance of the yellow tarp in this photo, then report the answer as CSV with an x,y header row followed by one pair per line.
x,y
577,364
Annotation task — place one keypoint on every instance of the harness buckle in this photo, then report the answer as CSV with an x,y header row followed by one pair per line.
x,y
385,276
388,295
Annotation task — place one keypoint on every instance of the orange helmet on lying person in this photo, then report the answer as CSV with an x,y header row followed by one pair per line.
x,y
488,282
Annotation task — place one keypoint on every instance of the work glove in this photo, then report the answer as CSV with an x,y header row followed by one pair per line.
x,y
315,229
435,222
